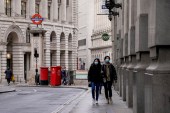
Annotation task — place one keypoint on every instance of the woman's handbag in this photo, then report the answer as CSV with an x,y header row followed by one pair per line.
x,y
89,85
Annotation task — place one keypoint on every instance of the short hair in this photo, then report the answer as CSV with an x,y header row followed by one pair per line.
x,y
106,57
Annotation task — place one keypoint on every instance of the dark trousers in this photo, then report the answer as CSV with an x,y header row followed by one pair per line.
x,y
108,89
95,89
8,80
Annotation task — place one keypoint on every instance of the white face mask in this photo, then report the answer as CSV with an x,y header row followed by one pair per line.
x,y
96,63
107,60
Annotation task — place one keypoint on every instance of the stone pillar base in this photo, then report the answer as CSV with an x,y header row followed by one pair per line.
x,y
138,82
157,85
129,86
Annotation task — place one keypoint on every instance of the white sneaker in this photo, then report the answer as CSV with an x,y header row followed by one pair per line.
x,y
110,99
96,101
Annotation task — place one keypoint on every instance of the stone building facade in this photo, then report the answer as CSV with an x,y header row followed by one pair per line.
x,y
143,54
58,46
85,26
99,47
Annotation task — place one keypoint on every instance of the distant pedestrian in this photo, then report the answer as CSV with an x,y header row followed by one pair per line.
x,y
8,75
109,76
64,76
94,79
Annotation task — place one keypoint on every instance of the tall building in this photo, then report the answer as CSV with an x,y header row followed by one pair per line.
x,y
58,46
100,48
85,23
143,54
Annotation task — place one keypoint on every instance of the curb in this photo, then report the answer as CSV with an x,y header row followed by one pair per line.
x,y
48,86
7,91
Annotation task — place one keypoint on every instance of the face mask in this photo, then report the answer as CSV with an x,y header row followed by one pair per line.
x,y
107,60
95,63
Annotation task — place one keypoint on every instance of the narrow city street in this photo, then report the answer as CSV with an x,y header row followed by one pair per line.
x,y
37,99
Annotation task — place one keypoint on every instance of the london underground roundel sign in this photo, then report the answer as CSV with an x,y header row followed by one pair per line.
x,y
37,19
105,37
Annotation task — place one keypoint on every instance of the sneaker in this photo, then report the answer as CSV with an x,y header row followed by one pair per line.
x,y
110,99
96,101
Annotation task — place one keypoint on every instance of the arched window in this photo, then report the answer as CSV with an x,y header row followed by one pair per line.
x,y
28,35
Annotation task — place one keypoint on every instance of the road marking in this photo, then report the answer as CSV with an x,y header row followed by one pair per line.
x,y
59,109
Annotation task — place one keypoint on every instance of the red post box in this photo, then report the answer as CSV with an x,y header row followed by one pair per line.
x,y
55,79
44,75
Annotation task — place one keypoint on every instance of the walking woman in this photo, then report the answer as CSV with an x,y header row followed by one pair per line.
x,y
95,78
109,75
8,76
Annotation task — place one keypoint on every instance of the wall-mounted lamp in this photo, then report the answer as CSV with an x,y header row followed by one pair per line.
x,y
8,56
110,4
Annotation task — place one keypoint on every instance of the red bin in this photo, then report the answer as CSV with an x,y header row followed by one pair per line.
x,y
44,75
55,79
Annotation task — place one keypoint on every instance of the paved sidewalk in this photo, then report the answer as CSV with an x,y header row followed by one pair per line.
x,y
85,105
6,89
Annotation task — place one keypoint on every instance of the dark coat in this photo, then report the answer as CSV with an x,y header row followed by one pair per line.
x,y
94,73
113,75
8,74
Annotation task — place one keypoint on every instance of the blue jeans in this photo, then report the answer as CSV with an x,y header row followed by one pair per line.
x,y
95,90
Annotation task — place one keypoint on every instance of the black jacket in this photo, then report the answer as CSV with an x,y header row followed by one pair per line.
x,y
8,74
94,74
113,75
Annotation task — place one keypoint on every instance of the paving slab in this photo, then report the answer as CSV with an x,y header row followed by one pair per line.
x,y
86,105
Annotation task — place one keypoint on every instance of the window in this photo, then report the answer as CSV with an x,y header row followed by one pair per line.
x,y
58,12
28,35
37,8
82,42
23,9
67,2
8,7
49,13
59,1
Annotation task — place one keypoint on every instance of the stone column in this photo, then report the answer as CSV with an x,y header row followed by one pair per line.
x,y
2,7
142,55
66,51
157,88
63,10
36,42
55,10
31,7
131,54
125,47
0,66
44,9
58,49
16,8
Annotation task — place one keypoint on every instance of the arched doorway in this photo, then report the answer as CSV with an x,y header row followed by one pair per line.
x,y
11,41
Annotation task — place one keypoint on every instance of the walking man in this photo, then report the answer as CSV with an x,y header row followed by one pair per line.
x,y
109,75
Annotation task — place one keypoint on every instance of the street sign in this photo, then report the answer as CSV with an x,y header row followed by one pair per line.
x,y
105,37
103,9
37,19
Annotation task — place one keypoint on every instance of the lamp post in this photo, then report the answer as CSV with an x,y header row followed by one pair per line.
x,y
36,55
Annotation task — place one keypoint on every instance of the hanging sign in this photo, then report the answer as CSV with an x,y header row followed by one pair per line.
x,y
37,19
105,37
